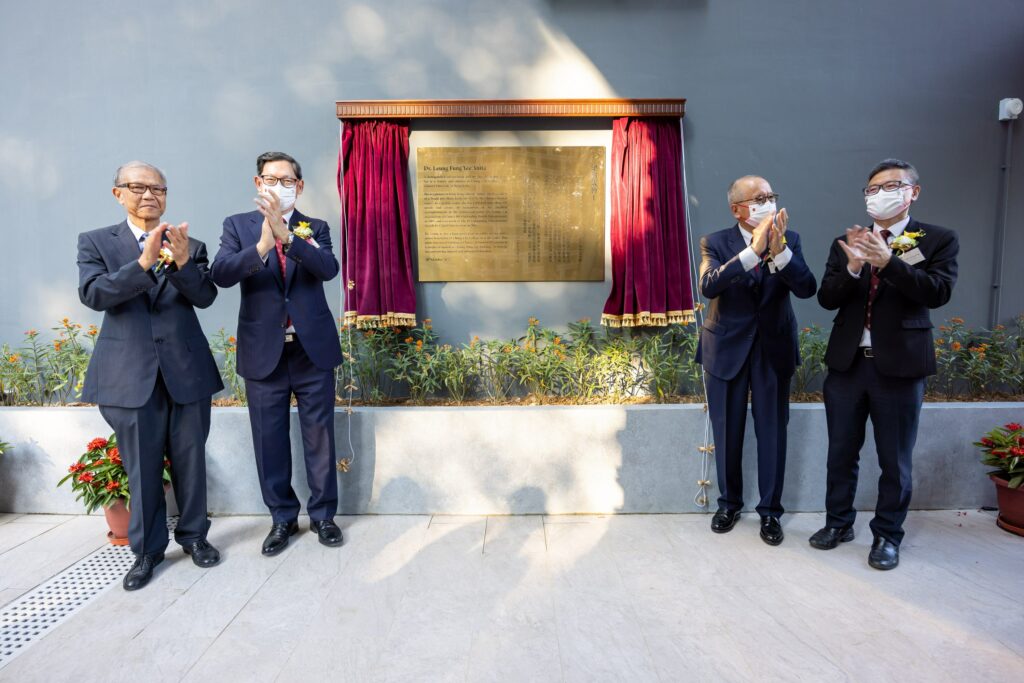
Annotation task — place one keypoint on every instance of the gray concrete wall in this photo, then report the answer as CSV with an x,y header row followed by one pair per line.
x,y
522,460
809,94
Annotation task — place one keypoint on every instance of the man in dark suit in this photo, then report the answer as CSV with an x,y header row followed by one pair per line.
x,y
748,345
152,373
883,282
287,343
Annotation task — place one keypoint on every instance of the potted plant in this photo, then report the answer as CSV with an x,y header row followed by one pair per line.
x,y
4,446
1003,448
100,480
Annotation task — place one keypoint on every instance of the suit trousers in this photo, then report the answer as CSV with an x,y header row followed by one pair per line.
x,y
270,413
894,406
769,405
145,436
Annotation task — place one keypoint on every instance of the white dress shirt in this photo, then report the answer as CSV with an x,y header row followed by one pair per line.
x,y
894,231
749,258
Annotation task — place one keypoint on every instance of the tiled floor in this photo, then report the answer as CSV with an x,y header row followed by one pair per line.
x,y
627,598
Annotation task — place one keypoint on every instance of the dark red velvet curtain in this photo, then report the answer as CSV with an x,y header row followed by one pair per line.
x,y
373,180
650,263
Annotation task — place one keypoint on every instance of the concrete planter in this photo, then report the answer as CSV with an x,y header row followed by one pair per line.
x,y
519,460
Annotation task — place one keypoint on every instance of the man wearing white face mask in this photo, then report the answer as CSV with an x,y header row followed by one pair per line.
x,y
748,345
287,344
883,282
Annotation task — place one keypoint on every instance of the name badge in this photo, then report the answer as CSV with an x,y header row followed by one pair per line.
x,y
913,256
772,267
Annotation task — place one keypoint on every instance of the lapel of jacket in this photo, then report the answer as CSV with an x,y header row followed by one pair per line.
x,y
292,265
127,245
738,244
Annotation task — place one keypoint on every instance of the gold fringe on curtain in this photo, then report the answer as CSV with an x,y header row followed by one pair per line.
x,y
389,319
648,319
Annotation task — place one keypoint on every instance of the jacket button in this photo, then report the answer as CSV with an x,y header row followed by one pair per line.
x,y
282,324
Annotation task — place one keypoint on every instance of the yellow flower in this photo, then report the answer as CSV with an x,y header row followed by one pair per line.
x,y
532,322
957,321
303,231
13,358
408,340
956,346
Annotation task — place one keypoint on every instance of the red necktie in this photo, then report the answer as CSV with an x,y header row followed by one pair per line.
x,y
873,292
283,260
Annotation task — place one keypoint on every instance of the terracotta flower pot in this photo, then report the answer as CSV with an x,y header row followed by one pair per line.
x,y
118,517
1011,506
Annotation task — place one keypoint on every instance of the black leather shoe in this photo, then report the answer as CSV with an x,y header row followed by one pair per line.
x,y
203,554
724,520
142,571
771,530
328,531
277,539
884,554
829,537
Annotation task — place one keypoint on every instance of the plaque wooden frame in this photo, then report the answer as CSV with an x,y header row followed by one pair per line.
x,y
548,108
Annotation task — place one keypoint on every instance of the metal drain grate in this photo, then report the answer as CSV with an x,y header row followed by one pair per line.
x,y
28,618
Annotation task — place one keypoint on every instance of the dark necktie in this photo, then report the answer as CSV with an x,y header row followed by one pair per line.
x,y
875,280
142,241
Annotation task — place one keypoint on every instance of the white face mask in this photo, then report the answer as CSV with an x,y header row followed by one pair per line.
x,y
285,194
758,212
884,205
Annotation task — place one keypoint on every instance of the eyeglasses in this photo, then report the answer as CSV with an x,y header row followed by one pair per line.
x,y
762,199
890,186
140,188
270,181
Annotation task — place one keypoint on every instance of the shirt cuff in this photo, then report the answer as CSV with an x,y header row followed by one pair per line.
x,y
749,258
782,259
855,276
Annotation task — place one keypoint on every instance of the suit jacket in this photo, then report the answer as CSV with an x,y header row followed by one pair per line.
x,y
268,299
901,326
744,304
149,322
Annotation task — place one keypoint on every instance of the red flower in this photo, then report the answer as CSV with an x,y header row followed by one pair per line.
x,y
998,453
114,455
86,477
987,442
1017,450
113,486
96,444
1014,426
77,467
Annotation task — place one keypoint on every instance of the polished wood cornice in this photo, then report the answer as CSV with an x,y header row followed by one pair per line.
x,y
434,109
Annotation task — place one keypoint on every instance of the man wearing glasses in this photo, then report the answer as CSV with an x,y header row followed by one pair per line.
x,y
882,281
748,345
287,344
152,373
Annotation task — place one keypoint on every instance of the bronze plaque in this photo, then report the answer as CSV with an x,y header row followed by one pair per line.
x,y
507,214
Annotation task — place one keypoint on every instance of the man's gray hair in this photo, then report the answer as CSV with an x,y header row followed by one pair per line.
x,y
138,164
733,194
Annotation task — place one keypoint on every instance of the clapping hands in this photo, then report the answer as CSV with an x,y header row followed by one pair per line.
x,y
864,246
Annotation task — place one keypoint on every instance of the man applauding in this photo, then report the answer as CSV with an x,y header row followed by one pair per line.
x,y
152,372
748,345
883,281
287,344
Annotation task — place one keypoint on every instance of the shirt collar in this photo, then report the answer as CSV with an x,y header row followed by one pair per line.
x,y
288,216
896,228
748,237
136,230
